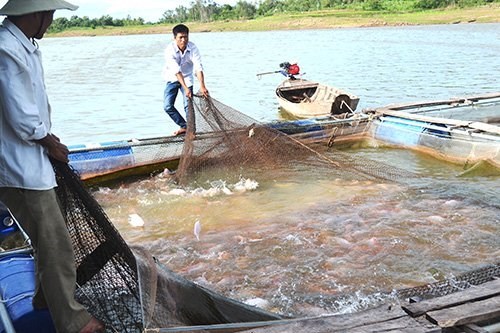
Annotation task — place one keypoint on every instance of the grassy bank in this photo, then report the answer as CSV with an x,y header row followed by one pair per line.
x,y
326,19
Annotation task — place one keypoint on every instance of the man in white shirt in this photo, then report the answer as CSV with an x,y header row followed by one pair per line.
x,y
27,179
182,58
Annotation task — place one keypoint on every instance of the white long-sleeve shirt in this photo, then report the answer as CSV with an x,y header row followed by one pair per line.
x,y
24,113
186,63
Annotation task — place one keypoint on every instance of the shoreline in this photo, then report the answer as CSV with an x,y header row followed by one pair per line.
x,y
324,19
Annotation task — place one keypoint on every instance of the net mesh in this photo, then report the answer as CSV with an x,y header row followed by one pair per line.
x,y
106,267
460,282
239,144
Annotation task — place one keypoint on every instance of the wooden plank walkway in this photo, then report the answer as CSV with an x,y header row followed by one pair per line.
x,y
474,293
382,319
474,307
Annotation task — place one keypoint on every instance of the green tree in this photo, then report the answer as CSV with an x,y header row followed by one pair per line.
x,y
303,5
244,10
332,3
223,13
105,20
85,22
270,7
208,10
431,4
59,24
180,14
373,5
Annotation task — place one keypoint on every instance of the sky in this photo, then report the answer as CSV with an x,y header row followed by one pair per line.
x,y
149,10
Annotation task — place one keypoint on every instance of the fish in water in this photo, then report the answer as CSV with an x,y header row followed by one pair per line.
x,y
197,229
135,220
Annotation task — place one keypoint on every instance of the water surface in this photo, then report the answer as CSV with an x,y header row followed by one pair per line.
x,y
104,88
293,244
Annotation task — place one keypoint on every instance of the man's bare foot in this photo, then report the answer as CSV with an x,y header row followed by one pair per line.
x,y
93,326
180,131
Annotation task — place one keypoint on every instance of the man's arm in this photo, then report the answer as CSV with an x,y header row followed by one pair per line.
x,y
20,109
187,91
201,78
198,68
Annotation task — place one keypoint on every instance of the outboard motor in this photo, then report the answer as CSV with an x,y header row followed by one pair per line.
x,y
290,69
342,104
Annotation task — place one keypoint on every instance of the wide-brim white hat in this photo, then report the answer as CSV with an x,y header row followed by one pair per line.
x,y
22,7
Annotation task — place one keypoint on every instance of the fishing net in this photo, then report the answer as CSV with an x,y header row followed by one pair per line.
x,y
239,145
447,286
126,289
106,267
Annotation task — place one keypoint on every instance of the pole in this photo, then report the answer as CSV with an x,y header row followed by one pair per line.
x,y
267,73
5,318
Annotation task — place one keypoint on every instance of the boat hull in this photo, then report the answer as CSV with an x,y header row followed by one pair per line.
x,y
109,162
308,99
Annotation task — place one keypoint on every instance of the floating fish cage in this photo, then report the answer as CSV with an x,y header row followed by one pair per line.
x,y
463,131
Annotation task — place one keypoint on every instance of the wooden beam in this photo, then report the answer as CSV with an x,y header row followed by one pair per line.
x,y
485,127
468,313
474,293
427,119
381,319
451,101
472,328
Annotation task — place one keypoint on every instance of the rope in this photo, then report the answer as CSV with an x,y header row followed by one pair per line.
x,y
16,298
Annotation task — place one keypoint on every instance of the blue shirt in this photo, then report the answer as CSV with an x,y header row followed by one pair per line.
x,y
24,113
186,63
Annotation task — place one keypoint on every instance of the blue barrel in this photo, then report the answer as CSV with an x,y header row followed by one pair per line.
x,y
17,285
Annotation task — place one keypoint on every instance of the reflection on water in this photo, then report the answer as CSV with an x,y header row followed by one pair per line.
x,y
294,245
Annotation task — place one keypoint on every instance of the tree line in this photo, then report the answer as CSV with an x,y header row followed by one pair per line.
x,y
209,11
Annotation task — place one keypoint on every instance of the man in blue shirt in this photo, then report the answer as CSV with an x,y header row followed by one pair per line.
x,y
182,59
27,179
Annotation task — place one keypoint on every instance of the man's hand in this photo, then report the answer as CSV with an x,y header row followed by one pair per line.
x,y
55,148
204,91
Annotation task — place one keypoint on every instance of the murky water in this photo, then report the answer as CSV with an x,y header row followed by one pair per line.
x,y
297,243
292,244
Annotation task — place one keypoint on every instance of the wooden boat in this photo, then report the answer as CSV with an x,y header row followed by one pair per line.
x,y
110,161
472,135
305,99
